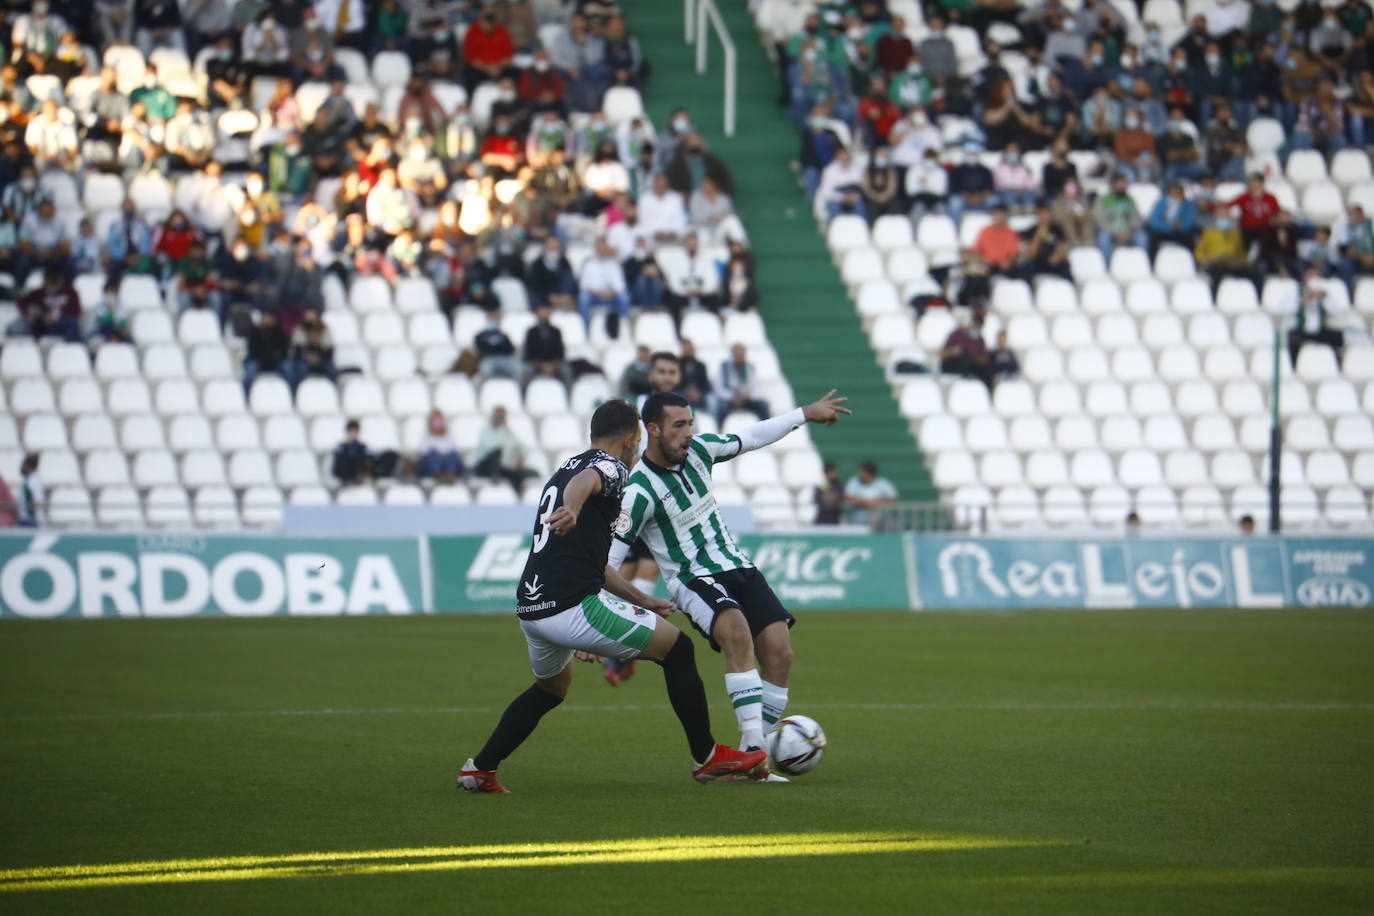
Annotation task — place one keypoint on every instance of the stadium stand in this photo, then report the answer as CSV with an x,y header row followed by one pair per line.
x,y
1073,231
231,227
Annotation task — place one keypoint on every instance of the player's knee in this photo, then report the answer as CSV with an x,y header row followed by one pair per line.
x,y
682,652
556,687
780,656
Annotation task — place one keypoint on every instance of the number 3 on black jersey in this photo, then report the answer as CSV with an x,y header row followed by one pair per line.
x,y
541,522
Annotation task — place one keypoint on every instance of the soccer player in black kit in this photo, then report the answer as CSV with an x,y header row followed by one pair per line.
x,y
563,611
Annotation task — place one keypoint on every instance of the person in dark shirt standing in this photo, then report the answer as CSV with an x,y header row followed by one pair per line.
x,y
268,347
543,351
351,457
563,613
829,497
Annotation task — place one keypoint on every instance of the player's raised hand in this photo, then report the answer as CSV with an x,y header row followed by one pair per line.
x,y
660,606
827,410
562,521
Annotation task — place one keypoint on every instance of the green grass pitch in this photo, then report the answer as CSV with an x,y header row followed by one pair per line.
x,y
1037,762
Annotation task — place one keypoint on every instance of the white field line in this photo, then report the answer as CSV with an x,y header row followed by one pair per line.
x,y
1180,706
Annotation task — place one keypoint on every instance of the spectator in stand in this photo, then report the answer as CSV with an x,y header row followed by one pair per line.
x,y
500,454
894,49
1101,118
1074,217
1118,221
1321,252
927,185
634,381
1178,150
33,502
1278,253
695,380
819,144
1354,241
53,309
312,349
1004,362
692,164
1258,208
839,190
881,186
829,497
1321,121
541,86
1220,252
543,351
549,278
1005,122
913,138
965,352
266,46
495,352
43,241
1214,83
739,289
877,113
391,208
173,241
1044,249
737,386
23,195
998,243
970,184
391,27
352,460
663,212
268,351
88,254
9,506
1310,311
698,286
196,276
937,52
111,321
1224,143
581,55
1134,148
713,213
1015,185
438,453
645,277
866,493
602,283
1172,219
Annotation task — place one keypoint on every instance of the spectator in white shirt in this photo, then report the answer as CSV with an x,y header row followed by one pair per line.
x,y
927,184
713,212
1226,16
603,283
51,137
663,212
605,176
267,46
346,19
624,235
911,137
865,492
737,386
1310,311
843,176
698,285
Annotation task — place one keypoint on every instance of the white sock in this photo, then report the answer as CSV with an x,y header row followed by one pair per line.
x,y
644,585
746,695
774,702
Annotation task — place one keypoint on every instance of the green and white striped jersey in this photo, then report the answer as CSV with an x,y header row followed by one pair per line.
x,y
675,513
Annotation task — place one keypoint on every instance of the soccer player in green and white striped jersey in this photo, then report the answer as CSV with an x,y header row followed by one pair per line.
x,y
668,502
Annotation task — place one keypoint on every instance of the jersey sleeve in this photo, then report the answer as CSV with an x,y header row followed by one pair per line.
x,y
713,448
636,508
614,476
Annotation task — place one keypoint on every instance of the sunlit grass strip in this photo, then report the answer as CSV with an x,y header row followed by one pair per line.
x,y
524,855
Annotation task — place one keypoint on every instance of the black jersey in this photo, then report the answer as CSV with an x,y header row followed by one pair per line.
x,y
562,570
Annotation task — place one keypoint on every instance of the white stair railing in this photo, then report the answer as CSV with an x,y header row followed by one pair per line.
x,y
696,15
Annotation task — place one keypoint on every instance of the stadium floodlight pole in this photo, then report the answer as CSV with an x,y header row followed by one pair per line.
x,y
1275,437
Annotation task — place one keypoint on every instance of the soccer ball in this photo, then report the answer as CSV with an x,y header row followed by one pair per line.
x,y
796,745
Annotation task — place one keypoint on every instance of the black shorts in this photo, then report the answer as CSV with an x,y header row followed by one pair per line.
x,y
639,551
745,590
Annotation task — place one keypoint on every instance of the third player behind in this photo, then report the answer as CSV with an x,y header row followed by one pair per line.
x,y
668,502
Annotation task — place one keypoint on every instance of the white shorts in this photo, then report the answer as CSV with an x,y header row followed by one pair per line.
x,y
600,624
698,610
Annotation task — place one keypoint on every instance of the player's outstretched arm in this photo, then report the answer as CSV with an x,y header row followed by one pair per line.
x,y
825,411
617,585
575,494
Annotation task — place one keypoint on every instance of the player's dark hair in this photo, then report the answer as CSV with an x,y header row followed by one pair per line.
x,y
654,406
665,355
614,418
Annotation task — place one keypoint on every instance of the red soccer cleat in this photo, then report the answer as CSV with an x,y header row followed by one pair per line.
x,y
627,670
475,780
725,760
611,671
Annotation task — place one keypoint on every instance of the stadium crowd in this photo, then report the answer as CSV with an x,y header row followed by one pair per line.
x,y
255,159
1098,123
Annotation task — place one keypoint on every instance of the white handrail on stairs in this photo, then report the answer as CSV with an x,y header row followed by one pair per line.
x,y
696,14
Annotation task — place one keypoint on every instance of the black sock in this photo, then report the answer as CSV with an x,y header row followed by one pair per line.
x,y
519,719
688,696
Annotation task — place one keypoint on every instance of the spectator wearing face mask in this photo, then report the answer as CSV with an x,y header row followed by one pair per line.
x,y
266,46
111,324
1074,216
312,349
1220,252
692,162
1178,150
1134,148
1173,219
541,85
970,184
488,50
927,184
1064,43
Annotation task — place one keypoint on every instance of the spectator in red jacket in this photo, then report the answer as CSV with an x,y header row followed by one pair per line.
x,y
487,48
894,49
1258,209
541,86
174,238
878,112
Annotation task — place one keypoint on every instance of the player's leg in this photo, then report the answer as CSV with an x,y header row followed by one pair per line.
x,y
774,649
716,613
552,678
